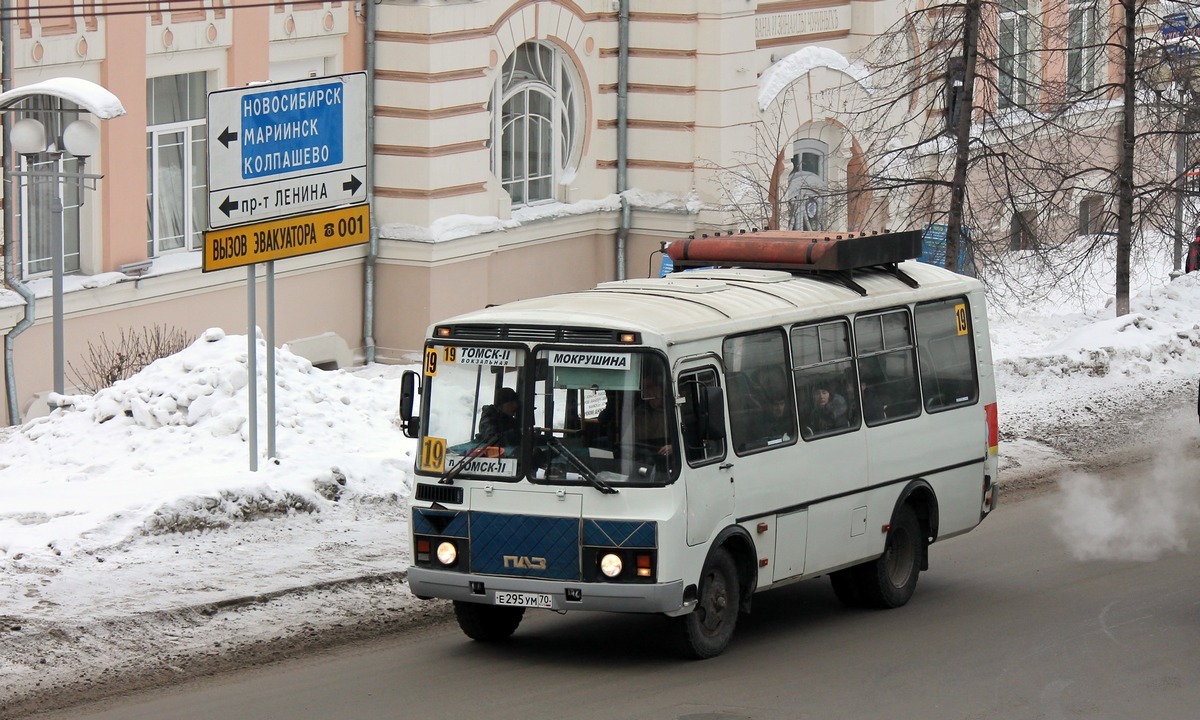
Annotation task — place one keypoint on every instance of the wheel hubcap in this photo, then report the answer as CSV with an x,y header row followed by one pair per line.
x,y
716,601
900,558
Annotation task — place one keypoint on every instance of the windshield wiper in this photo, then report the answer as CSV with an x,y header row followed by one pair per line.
x,y
561,451
447,477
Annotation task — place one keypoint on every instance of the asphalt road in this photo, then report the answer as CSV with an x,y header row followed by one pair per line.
x,y
1007,624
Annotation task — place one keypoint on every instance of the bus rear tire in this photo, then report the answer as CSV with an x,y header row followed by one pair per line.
x,y
487,623
890,580
706,631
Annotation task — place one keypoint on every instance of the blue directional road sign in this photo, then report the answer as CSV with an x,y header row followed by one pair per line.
x,y
286,148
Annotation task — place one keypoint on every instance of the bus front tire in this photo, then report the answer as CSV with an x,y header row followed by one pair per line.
x,y
487,623
890,580
706,631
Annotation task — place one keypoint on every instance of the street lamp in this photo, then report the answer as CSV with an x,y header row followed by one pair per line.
x,y
80,140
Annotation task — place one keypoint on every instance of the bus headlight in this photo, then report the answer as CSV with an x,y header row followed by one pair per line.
x,y
447,553
611,565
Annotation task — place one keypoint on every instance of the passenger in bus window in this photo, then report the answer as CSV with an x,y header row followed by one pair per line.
x,y
650,417
874,411
829,410
500,420
775,422
603,432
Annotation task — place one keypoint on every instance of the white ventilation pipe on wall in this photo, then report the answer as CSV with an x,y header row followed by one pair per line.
x,y
12,276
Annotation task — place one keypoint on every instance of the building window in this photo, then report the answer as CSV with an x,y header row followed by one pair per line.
x,y
34,211
1091,215
176,162
538,123
807,184
1083,48
1015,53
1021,234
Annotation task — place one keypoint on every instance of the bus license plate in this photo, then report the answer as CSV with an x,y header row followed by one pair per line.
x,y
532,600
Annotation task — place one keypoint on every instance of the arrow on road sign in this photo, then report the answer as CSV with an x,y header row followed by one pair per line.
x,y
228,205
227,137
352,185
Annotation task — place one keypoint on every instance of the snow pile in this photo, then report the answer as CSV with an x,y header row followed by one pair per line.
x,y
1071,377
167,451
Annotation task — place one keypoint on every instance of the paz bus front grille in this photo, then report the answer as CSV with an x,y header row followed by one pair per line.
x,y
446,494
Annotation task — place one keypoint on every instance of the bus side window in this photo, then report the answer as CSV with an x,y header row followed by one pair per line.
x,y
752,426
947,354
887,363
703,417
827,391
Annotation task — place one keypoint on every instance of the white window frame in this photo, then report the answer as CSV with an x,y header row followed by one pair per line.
x,y
531,149
194,214
1083,50
1015,57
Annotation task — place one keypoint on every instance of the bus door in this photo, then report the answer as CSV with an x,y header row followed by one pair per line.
x,y
707,477
829,475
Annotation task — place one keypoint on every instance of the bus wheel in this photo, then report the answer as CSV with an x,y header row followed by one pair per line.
x,y
889,581
706,630
487,623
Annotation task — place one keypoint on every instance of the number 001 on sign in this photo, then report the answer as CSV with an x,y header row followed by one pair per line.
x,y
290,237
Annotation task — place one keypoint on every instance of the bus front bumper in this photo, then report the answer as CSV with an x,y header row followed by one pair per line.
x,y
611,597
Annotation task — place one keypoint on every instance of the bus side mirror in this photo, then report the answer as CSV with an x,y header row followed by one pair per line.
x,y
712,418
409,386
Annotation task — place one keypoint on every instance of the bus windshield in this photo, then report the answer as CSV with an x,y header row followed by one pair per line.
x,y
603,417
474,411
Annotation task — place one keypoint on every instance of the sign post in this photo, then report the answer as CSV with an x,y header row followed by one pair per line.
x,y
287,163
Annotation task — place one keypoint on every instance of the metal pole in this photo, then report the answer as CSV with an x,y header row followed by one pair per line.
x,y
1181,143
56,253
271,360
252,367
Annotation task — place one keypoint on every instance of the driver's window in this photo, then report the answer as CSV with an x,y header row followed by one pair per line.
x,y
702,416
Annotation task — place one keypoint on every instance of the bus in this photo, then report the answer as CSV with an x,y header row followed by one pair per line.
x,y
782,406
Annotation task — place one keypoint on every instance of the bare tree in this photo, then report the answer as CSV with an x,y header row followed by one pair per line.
x,y
1028,124
1068,123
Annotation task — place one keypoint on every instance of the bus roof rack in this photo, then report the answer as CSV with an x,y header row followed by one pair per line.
x,y
796,251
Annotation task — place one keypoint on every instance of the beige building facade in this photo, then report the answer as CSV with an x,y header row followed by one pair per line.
x,y
517,148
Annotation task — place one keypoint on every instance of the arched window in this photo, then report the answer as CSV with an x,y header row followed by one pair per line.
x,y
807,185
535,135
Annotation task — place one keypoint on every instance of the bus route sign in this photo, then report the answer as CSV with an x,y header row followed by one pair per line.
x,y
290,237
286,148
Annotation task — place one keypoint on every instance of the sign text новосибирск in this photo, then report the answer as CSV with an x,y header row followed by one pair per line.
x,y
291,129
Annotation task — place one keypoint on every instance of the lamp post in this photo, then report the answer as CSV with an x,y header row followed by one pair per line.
x,y
83,95
80,139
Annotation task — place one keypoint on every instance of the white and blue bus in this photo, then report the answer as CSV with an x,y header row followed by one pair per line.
x,y
782,407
